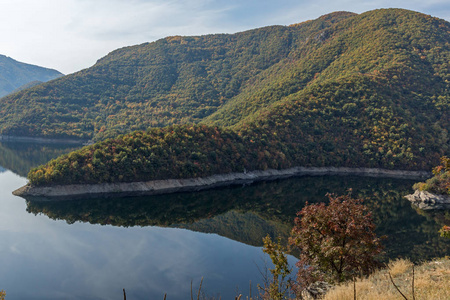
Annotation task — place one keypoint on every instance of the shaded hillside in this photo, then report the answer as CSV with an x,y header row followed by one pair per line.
x,y
27,86
14,74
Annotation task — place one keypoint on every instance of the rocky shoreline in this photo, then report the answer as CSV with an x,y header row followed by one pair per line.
x,y
428,201
155,187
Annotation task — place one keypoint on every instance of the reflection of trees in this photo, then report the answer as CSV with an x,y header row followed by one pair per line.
x,y
20,157
248,213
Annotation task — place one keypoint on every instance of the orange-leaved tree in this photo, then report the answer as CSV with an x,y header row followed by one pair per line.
x,y
336,241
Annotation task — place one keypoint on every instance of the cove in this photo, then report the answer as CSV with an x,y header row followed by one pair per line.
x,y
93,248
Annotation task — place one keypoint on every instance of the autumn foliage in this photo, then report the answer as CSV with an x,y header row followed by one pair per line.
x,y
445,231
337,241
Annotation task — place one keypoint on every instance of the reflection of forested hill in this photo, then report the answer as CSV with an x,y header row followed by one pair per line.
x,y
20,157
248,214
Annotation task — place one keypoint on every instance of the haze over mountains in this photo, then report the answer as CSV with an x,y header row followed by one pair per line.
x,y
16,75
344,90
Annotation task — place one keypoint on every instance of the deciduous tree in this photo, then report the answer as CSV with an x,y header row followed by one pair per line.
x,y
337,241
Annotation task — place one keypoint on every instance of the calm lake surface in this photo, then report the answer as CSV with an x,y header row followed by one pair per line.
x,y
154,245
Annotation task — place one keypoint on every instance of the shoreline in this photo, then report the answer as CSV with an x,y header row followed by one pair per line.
x,y
26,139
168,186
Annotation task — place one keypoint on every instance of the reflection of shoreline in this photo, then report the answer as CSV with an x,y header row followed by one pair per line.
x,y
20,157
249,214
12,138
169,186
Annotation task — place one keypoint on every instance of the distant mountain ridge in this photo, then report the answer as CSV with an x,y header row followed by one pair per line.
x,y
15,75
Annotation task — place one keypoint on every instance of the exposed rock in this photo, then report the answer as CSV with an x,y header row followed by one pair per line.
x,y
427,201
154,187
316,290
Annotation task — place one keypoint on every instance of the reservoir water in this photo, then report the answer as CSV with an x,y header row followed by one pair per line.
x,y
150,246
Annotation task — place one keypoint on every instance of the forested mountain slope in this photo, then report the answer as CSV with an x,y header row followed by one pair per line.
x,y
174,80
369,90
14,74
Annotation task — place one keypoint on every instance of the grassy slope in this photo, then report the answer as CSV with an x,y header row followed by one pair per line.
x,y
430,282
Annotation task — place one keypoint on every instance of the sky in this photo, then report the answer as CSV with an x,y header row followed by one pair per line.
x,y
71,35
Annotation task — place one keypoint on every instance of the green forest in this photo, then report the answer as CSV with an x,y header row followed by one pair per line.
x,y
368,90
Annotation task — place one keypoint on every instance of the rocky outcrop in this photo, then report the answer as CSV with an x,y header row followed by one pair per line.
x,y
427,201
316,290
77,191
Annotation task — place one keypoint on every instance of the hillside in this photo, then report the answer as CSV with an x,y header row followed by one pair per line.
x,y
231,79
369,90
175,80
15,75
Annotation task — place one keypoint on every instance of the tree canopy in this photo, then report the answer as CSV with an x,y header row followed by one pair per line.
x,y
337,241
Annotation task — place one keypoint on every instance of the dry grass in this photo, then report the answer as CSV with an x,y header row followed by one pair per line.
x,y
399,266
431,281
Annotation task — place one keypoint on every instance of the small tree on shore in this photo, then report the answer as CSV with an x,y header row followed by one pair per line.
x,y
278,285
445,231
337,241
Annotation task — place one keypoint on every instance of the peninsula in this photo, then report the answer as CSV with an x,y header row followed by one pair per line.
x,y
367,91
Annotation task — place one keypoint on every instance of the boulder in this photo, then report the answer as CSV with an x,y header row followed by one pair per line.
x,y
428,201
316,290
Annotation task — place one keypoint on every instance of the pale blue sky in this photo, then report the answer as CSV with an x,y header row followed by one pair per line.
x,y
70,35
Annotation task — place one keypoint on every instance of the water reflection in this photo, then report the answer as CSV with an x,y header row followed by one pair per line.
x,y
45,259
57,254
20,157
247,214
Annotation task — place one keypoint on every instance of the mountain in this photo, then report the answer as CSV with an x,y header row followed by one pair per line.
x,y
369,90
16,75
176,80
